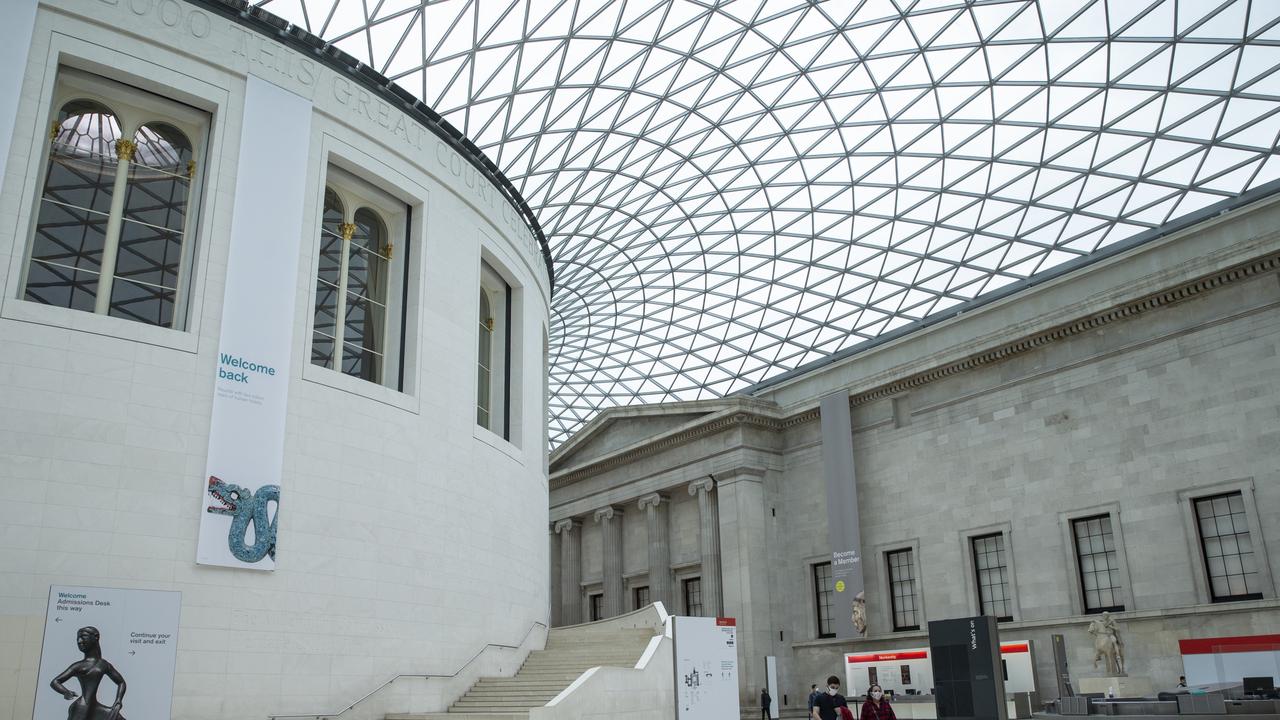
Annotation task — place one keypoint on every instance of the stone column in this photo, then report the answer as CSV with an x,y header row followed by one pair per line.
x,y
610,519
553,559
745,531
570,571
709,543
655,507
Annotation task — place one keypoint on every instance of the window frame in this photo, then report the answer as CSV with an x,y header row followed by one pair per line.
x,y
508,436
1204,545
389,176
1191,530
635,596
971,569
1065,520
816,592
916,609
595,606
684,595
357,192
1080,556
134,106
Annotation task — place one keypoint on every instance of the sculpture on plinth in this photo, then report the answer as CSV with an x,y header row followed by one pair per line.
x,y
89,672
1107,644
860,614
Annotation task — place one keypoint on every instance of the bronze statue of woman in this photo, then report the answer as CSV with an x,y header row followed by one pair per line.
x,y
89,672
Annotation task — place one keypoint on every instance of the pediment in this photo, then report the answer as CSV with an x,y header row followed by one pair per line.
x,y
618,428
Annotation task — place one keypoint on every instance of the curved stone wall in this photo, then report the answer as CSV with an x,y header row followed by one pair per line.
x,y
410,537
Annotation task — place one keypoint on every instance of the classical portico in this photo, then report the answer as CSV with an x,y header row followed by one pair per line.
x,y
691,528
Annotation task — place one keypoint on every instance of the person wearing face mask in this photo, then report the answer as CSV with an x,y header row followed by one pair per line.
x,y
827,705
876,707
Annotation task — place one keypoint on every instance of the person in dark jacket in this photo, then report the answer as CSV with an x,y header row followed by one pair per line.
x,y
766,702
876,707
828,704
813,695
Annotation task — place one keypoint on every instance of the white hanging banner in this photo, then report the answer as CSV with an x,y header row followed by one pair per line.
x,y
240,504
706,667
104,646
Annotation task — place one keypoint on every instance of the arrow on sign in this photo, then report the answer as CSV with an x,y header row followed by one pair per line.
x,y
57,619
133,652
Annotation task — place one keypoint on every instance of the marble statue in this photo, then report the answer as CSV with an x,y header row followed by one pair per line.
x,y
1107,644
89,672
860,614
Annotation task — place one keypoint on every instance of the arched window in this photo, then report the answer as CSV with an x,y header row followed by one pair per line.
x,y
328,284
112,229
351,322
149,257
493,359
366,309
75,208
484,380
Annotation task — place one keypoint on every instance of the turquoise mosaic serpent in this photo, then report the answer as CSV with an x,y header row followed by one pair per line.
x,y
244,505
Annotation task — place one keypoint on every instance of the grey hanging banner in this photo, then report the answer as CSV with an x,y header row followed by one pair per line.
x,y
849,612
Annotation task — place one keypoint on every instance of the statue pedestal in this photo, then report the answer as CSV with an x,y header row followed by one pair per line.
x,y
1122,685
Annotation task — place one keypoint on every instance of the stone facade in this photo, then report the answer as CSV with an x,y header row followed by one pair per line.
x,y
1124,389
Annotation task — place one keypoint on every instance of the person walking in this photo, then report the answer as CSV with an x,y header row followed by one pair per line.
x,y
814,693
876,707
827,705
766,703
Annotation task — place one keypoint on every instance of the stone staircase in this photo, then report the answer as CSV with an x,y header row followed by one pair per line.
x,y
570,651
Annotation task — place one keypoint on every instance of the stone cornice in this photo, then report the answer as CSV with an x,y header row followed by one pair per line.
x,y
738,474
760,415
1123,311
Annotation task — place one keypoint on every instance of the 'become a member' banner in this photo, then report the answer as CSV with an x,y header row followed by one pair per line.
x,y
848,610
240,504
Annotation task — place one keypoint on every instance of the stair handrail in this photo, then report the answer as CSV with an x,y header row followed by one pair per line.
x,y
455,673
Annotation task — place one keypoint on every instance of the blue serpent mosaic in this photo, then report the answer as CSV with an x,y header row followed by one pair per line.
x,y
244,505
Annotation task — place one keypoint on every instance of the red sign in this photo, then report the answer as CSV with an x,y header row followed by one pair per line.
x,y
1014,648
1245,643
884,657
726,622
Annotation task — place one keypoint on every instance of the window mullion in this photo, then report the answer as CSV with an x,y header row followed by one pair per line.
x,y
181,290
111,243
340,319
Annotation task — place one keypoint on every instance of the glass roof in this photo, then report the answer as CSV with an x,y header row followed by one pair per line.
x,y
735,188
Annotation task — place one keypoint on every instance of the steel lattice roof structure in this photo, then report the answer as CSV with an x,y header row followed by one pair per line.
x,y
734,188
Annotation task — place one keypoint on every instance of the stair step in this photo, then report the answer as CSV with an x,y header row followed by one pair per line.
x,y
543,676
500,703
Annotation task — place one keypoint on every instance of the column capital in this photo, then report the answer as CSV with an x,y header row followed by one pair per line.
x,y
567,525
654,499
607,513
705,484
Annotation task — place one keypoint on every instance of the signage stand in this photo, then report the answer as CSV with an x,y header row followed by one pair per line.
x,y
706,667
